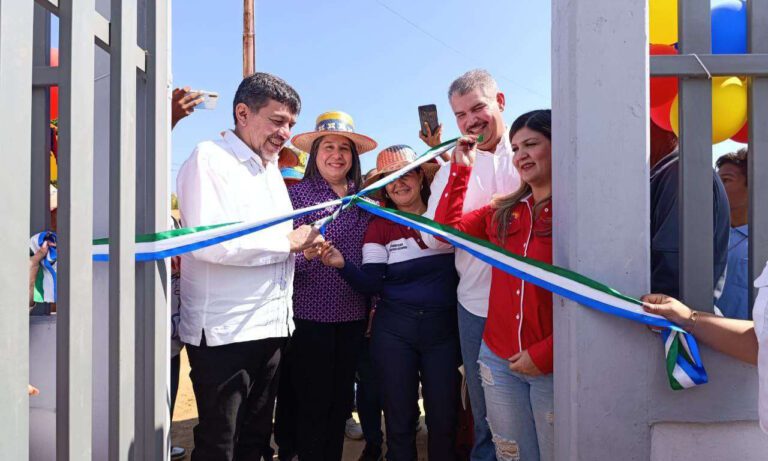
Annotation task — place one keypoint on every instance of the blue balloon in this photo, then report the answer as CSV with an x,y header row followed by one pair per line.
x,y
729,27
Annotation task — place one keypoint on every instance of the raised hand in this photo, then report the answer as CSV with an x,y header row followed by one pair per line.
x,y
465,151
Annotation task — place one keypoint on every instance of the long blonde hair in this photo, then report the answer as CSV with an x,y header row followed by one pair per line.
x,y
539,121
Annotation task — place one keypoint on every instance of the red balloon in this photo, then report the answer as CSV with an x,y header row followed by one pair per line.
x,y
660,115
54,92
663,89
743,135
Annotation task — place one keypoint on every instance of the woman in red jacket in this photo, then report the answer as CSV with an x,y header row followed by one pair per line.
x,y
516,354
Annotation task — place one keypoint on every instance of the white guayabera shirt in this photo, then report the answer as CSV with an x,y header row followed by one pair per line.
x,y
760,314
241,289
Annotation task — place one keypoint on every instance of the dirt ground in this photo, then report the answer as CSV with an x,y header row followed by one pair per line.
x,y
185,418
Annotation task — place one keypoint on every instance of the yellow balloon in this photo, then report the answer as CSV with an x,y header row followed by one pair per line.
x,y
662,19
54,169
729,108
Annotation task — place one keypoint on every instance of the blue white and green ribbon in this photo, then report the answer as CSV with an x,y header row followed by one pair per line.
x,y
683,361
45,283
429,155
684,366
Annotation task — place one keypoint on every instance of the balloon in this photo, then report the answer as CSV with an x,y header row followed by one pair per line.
x,y
54,91
660,114
743,135
662,16
729,27
663,89
729,108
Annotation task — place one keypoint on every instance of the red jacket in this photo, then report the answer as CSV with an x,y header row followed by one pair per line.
x,y
519,313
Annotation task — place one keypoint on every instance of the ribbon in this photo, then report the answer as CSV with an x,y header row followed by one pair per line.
x,y
45,282
431,154
683,362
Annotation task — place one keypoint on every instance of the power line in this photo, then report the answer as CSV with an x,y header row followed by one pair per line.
x,y
449,47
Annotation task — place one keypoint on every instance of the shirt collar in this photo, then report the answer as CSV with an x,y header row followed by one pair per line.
x,y
241,149
744,230
664,163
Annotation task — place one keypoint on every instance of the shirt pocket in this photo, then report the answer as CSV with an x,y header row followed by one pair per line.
x,y
741,274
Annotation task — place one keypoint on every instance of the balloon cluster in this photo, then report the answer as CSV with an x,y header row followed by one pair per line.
x,y
729,94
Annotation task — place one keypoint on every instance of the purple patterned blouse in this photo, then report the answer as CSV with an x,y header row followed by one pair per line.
x,y
320,294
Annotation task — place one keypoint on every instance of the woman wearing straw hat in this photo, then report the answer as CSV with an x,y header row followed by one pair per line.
x,y
415,334
329,314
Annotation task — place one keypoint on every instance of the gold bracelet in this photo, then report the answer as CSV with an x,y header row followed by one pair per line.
x,y
692,319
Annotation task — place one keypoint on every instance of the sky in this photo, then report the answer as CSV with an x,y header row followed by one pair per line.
x,y
377,60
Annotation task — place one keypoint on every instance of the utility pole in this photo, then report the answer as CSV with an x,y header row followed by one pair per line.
x,y
249,45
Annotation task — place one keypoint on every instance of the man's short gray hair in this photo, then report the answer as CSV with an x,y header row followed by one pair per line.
x,y
471,80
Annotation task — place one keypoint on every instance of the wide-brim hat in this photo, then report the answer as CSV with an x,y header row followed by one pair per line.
x,y
338,123
395,157
289,157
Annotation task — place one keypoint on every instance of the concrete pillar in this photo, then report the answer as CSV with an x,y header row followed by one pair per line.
x,y
600,168
612,397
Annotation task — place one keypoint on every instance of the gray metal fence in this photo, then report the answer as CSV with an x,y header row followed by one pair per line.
x,y
138,420
695,65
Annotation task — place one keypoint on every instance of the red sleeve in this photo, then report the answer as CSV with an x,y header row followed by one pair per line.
x,y
542,354
449,209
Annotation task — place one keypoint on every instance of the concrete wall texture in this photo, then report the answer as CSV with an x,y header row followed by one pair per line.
x,y
610,383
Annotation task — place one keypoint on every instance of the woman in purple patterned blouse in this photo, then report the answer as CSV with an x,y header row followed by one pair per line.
x,y
330,317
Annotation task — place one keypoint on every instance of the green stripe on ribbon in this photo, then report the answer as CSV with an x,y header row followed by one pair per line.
x,y
159,236
574,276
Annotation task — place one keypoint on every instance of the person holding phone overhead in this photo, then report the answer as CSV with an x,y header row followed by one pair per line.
x,y
414,336
478,107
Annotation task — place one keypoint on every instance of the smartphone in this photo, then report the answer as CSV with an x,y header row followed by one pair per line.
x,y
428,115
210,99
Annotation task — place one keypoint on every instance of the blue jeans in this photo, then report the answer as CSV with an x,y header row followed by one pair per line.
x,y
471,329
520,410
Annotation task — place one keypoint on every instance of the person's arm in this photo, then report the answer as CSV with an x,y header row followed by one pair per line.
x,y
542,354
437,189
183,103
733,337
450,208
205,198
368,279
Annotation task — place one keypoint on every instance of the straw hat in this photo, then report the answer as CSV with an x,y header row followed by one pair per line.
x,y
395,157
336,122
289,157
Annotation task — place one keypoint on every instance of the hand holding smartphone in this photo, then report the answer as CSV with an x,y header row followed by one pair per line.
x,y
210,99
431,130
428,118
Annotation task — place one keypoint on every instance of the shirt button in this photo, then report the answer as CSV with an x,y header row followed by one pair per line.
x,y
546,210
517,292
517,316
446,196
454,173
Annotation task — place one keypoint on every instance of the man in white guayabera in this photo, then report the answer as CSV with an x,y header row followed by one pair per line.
x,y
236,295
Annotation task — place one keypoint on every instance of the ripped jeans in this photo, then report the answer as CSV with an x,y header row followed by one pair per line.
x,y
520,410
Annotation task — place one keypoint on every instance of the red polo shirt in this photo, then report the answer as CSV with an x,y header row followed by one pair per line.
x,y
519,313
